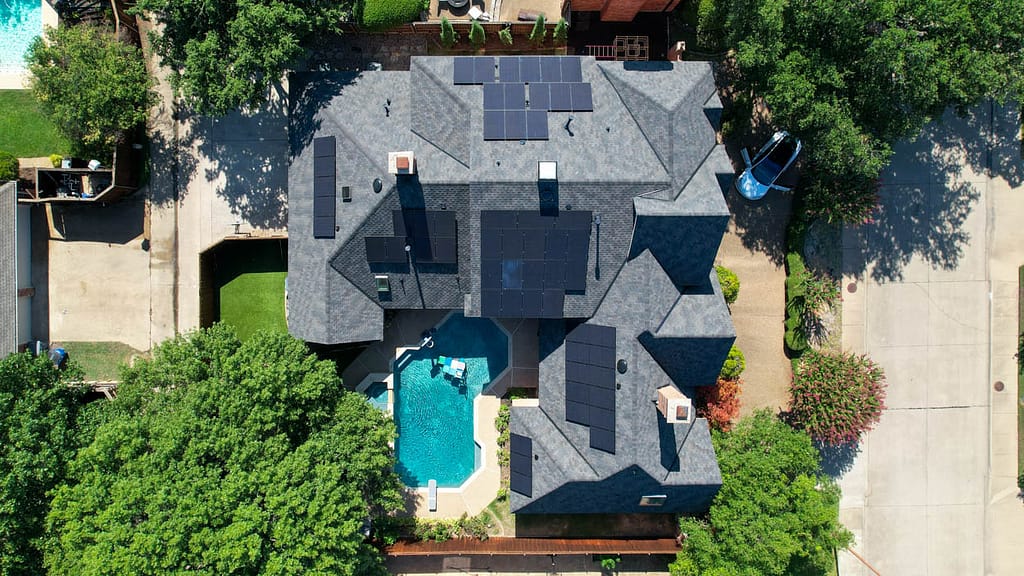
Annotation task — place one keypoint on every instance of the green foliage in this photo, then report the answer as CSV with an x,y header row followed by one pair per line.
x,y
539,32
38,437
384,14
710,24
730,283
9,166
505,35
852,80
230,457
477,36
91,86
807,295
774,515
56,159
1020,482
610,563
734,365
254,301
449,38
836,397
464,527
225,54
560,35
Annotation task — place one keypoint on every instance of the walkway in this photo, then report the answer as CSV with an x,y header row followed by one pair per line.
x,y
929,294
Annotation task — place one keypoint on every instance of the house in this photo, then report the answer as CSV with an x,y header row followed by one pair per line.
x,y
585,194
15,272
623,10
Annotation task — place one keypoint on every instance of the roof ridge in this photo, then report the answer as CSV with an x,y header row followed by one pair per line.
x,y
443,86
567,440
612,82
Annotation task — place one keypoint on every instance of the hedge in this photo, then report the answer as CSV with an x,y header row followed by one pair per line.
x,y
8,167
734,365
730,283
384,14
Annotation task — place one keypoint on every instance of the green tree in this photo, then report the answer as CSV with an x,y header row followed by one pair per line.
x,y
729,282
775,514
539,32
836,397
38,414
850,80
227,457
9,166
560,35
477,36
505,35
92,86
448,36
224,54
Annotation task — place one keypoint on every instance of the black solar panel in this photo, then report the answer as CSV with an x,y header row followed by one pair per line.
x,y
494,97
533,303
582,100
533,249
446,250
483,69
550,69
529,69
540,96
512,304
515,124
490,274
490,303
324,146
494,125
515,96
561,98
536,125
571,69
508,69
521,464
463,70
511,274
442,223
575,220
554,304
590,382
323,165
323,226
384,250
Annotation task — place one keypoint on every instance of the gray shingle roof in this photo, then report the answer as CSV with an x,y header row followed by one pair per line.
x,y
8,270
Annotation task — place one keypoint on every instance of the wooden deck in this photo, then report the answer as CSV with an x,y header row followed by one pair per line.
x,y
531,547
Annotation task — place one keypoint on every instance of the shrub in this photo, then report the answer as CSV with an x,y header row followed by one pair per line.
x,y
560,35
730,283
8,167
384,14
477,36
720,403
1020,482
610,563
56,159
734,364
807,294
836,397
505,36
448,36
539,32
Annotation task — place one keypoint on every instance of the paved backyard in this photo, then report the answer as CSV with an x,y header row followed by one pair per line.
x,y
931,490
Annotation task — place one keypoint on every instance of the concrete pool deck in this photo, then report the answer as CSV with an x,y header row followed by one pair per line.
x,y
19,80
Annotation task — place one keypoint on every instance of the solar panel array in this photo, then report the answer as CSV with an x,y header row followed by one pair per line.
x,y
430,234
521,464
590,382
324,187
520,90
528,261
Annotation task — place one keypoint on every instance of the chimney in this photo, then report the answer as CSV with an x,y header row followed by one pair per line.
x,y
674,406
401,163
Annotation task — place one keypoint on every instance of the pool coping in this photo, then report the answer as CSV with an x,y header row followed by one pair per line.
x,y
486,477
19,80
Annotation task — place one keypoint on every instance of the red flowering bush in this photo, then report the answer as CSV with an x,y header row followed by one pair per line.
x,y
720,403
836,397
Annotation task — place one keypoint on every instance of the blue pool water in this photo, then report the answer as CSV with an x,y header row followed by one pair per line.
x,y
377,393
434,415
20,22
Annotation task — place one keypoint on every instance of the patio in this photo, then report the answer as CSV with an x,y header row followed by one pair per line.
x,y
500,10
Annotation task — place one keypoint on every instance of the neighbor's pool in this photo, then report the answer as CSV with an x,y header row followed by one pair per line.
x,y
20,22
435,416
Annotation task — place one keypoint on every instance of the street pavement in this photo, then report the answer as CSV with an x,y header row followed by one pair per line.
x,y
929,292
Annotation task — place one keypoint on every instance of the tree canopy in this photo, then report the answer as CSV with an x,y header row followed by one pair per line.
x,y
224,54
223,457
774,515
851,79
38,414
90,84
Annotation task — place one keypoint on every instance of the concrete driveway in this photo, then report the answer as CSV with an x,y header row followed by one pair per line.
x,y
919,298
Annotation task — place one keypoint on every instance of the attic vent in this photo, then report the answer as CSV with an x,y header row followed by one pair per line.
x,y
547,171
401,163
674,406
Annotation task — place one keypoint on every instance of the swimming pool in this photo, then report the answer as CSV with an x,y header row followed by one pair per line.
x,y
20,22
434,415
377,394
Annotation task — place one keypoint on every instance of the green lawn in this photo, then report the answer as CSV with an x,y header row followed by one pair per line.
x,y
253,302
99,360
24,131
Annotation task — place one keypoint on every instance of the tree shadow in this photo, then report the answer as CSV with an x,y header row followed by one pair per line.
x,y
837,460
